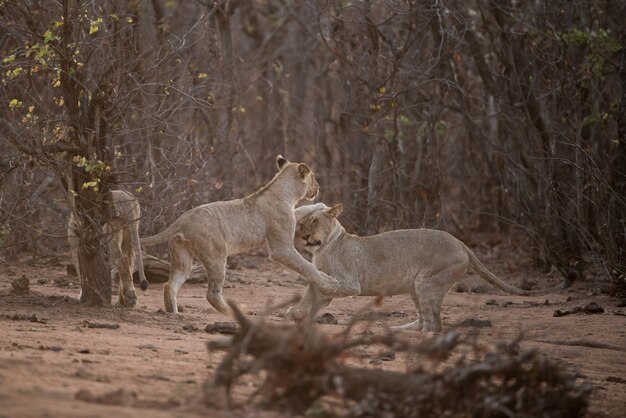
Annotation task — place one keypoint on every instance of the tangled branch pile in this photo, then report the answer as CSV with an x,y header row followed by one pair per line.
x,y
303,369
456,377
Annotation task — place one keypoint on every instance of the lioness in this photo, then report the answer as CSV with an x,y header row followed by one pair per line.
x,y
124,250
424,263
215,230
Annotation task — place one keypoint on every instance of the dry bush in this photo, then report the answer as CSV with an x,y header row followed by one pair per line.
x,y
306,371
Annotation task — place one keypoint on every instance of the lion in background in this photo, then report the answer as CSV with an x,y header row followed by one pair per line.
x,y
123,240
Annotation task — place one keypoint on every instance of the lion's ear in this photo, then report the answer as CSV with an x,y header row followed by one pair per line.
x,y
335,210
280,161
303,170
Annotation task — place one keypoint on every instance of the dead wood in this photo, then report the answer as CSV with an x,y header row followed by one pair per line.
x,y
301,368
158,270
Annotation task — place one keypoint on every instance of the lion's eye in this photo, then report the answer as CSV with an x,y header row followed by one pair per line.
x,y
314,222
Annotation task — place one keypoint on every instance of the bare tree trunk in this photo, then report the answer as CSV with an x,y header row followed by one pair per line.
x,y
92,203
378,209
224,147
617,179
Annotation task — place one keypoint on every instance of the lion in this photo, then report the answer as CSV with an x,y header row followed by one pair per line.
x,y
424,263
124,249
213,231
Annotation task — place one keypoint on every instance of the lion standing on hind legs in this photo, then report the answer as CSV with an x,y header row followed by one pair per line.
x,y
213,231
124,249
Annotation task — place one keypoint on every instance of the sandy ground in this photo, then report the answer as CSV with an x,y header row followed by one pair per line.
x,y
53,364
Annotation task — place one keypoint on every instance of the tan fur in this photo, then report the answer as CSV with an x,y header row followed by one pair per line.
x,y
215,230
424,263
124,250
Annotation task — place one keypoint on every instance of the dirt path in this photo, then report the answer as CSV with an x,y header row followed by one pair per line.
x,y
54,361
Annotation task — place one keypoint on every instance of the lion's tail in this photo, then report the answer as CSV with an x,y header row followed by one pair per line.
x,y
162,236
477,267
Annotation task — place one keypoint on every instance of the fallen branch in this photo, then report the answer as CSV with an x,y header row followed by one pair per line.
x,y
157,270
301,367
583,343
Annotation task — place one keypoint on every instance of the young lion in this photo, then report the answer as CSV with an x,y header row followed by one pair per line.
x,y
424,263
124,247
215,230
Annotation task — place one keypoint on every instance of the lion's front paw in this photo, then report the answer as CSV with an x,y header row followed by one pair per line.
x,y
327,284
295,314
128,298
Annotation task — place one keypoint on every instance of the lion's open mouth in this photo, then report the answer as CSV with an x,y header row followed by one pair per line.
x,y
313,243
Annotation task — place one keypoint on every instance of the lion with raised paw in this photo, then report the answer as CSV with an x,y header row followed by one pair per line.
x,y
213,231
424,263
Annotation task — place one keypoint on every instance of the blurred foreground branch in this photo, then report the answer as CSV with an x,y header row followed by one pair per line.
x,y
303,369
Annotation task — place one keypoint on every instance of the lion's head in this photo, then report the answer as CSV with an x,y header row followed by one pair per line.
x,y
318,226
304,176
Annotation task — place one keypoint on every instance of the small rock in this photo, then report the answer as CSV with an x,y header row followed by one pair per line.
x,y
148,347
592,308
42,281
61,282
528,284
20,286
616,379
397,314
569,299
622,303
473,322
491,302
559,313
327,318
53,348
461,288
190,327
221,328
118,397
31,318
88,324
387,356
158,377
480,289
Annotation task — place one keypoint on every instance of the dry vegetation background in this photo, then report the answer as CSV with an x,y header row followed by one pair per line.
x,y
497,116
504,118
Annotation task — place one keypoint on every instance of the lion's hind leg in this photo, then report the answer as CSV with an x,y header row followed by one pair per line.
x,y
118,258
418,324
215,266
430,290
125,267
181,260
